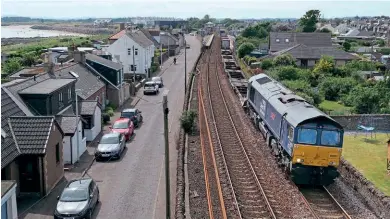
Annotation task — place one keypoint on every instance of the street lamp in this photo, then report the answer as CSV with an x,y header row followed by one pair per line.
x,y
77,124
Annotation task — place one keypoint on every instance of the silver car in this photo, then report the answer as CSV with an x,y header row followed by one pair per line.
x,y
158,81
110,146
151,87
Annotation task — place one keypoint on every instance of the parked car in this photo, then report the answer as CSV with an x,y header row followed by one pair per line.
x,y
124,126
110,146
151,87
78,199
159,81
133,114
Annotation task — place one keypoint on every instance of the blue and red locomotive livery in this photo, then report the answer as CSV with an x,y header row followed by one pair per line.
x,y
307,142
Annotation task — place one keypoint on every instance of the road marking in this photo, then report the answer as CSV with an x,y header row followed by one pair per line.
x,y
158,186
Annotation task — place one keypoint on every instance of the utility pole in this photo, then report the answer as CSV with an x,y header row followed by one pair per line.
x,y
185,67
161,52
77,126
134,64
167,185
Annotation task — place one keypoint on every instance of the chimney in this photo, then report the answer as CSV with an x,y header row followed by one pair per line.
x,y
49,65
79,56
121,26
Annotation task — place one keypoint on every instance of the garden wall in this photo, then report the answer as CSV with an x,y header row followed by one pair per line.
x,y
381,122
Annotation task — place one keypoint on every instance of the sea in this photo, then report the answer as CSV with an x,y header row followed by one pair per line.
x,y
24,31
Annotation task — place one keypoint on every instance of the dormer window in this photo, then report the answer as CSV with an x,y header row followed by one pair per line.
x,y
69,94
128,51
277,40
60,99
287,40
136,52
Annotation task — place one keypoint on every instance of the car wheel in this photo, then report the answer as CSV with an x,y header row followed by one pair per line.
x,y
98,197
89,216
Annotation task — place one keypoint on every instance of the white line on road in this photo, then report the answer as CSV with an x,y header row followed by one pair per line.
x,y
158,186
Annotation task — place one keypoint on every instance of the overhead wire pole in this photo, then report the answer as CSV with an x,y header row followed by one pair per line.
x,y
185,67
167,184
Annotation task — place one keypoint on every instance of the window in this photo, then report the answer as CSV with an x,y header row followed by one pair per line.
x,y
133,67
60,97
69,94
290,133
252,94
287,40
307,136
277,40
58,153
89,122
129,51
136,52
330,138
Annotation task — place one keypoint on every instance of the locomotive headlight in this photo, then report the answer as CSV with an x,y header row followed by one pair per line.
x,y
332,163
299,160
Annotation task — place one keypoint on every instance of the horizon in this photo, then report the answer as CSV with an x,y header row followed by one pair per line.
x,y
246,9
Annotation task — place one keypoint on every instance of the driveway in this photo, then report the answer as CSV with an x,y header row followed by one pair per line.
x,y
134,186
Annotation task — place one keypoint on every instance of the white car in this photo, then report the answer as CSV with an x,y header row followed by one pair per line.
x,y
151,87
158,81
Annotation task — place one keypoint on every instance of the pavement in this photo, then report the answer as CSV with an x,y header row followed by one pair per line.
x,y
134,185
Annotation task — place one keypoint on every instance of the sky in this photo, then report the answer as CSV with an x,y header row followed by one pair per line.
x,y
190,8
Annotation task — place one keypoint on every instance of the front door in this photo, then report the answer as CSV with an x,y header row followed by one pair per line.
x,y
29,174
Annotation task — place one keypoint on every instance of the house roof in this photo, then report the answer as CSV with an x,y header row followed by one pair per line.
x,y
139,38
301,51
9,148
117,35
365,33
68,123
47,87
284,40
32,132
87,107
87,82
149,36
103,61
154,32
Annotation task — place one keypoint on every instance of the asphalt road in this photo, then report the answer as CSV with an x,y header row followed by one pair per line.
x,y
134,186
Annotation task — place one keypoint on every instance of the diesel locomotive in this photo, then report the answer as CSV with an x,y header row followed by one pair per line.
x,y
306,142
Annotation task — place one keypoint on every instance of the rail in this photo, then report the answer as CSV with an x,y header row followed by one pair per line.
x,y
241,175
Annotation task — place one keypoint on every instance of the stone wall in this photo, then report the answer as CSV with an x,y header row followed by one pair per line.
x,y
381,122
375,199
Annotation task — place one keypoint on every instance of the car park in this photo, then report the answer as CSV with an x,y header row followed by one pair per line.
x,y
134,115
151,87
78,199
124,126
110,146
158,81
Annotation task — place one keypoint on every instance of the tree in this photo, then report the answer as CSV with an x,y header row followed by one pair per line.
x,y
333,88
325,30
245,49
28,59
309,20
365,100
288,73
283,60
250,31
325,65
11,66
347,46
266,64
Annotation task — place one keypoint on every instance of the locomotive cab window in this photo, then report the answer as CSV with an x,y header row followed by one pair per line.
x,y
307,136
290,133
330,138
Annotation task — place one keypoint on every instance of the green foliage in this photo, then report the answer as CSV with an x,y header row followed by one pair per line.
x,y
381,42
385,51
347,46
12,65
364,99
284,60
245,49
110,111
187,121
288,73
333,88
325,30
309,20
267,64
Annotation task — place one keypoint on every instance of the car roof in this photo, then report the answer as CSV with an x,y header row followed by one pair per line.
x,y
156,77
111,134
129,110
150,82
79,183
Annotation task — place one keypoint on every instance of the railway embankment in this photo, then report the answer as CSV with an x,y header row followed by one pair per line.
x,y
76,29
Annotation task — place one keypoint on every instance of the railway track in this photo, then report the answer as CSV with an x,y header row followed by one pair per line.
x,y
323,204
245,193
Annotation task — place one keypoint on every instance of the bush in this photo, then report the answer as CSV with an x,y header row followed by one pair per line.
x,y
105,118
288,73
187,121
245,49
334,88
109,111
283,60
266,64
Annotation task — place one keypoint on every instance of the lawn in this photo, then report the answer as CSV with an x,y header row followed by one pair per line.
x,y
334,108
368,155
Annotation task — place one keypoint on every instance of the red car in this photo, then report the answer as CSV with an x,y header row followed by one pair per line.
x,y
124,126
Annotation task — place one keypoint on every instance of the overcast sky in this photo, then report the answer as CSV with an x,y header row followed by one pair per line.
x,y
190,8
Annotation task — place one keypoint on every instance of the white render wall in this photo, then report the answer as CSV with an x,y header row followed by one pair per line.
x,y
66,149
9,199
91,134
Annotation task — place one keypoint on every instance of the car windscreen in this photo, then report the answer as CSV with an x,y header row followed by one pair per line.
x,y
156,79
74,195
128,114
112,139
120,125
149,85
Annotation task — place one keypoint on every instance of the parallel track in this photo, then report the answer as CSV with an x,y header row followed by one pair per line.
x,y
323,204
247,193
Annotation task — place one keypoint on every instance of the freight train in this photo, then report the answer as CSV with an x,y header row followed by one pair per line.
x,y
306,142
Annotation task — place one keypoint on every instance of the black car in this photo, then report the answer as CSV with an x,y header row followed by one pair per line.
x,y
78,199
133,114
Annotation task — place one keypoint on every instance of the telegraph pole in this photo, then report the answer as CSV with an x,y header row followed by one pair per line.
x,y
185,67
167,185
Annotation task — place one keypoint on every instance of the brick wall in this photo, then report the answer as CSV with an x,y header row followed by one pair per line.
x,y
381,122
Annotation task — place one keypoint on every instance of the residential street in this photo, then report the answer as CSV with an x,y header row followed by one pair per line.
x,y
134,186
